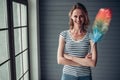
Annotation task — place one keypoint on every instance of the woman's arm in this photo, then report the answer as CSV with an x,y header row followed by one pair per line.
x,y
60,54
87,61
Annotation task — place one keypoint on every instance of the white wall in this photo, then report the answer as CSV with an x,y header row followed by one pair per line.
x,y
32,12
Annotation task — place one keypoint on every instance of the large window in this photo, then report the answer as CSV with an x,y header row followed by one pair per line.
x,y
14,47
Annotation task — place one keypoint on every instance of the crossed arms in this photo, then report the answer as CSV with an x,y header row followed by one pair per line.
x,y
65,59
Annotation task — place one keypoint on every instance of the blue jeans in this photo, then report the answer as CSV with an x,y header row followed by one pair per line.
x,y
70,77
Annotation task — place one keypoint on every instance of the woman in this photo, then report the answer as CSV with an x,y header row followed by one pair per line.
x,y
74,45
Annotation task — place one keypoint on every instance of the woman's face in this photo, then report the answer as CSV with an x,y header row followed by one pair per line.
x,y
77,17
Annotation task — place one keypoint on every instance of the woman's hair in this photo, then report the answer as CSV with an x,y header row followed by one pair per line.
x,y
85,14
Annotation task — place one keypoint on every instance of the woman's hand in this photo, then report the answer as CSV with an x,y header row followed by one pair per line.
x,y
88,56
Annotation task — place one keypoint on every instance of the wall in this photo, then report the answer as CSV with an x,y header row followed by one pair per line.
x,y
33,37
54,19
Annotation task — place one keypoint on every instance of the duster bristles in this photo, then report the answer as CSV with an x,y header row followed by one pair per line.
x,y
101,23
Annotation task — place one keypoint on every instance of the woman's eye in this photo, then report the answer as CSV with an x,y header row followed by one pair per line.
x,y
75,16
81,16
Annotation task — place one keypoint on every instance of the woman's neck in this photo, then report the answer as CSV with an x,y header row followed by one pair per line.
x,y
76,31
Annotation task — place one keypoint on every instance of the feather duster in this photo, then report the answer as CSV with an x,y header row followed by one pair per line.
x,y
101,24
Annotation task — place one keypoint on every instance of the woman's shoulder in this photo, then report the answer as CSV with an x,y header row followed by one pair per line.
x,y
64,33
88,33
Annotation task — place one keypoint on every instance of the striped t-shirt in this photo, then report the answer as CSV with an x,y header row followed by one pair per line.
x,y
76,48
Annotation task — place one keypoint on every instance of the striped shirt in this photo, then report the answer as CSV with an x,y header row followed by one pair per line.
x,y
76,48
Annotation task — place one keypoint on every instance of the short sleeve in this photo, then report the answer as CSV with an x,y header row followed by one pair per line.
x,y
63,34
90,35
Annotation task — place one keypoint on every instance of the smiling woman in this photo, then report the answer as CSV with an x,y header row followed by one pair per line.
x,y
53,15
74,45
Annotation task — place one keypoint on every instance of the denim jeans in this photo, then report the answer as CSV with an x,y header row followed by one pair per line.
x,y
70,77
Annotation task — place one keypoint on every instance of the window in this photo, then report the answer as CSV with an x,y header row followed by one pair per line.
x,y
14,49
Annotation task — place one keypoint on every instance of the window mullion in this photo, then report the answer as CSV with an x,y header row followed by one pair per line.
x,y
11,39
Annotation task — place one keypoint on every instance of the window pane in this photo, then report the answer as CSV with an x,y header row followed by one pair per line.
x,y
23,15
21,79
16,14
5,71
24,38
17,37
25,61
19,68
26,76
3,14
3,46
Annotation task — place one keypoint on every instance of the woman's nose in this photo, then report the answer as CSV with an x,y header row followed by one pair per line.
x,y
78,19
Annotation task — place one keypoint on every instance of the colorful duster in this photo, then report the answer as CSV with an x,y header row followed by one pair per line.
x,y
101,23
